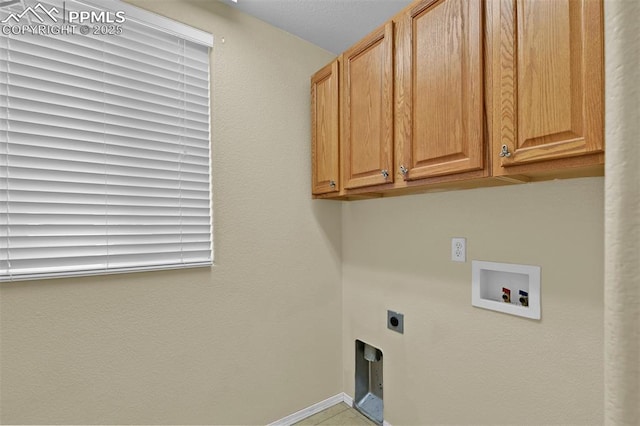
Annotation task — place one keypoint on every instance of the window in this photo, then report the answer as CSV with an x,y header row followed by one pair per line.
x,y
104,140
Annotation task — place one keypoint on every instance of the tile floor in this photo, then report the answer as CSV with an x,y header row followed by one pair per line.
x,y
338,415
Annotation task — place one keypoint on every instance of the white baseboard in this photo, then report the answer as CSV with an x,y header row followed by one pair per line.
x,y
347,399
309,411
315,409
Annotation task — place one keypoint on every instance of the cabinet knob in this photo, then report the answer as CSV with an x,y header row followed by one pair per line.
x,y
385,173
332,184
505,151
404,170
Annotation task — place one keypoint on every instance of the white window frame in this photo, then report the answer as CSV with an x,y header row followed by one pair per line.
x,y
155,22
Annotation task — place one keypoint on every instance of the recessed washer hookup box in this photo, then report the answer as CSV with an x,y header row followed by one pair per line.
x,y
506,287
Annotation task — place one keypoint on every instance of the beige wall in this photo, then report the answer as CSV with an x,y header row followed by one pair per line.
x,y
253,339
622,221
456,364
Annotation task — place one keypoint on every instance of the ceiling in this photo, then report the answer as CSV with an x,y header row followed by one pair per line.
x,y
331,24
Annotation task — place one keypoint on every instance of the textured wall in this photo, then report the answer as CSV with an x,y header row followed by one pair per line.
x,y
249,341
622,214
457,364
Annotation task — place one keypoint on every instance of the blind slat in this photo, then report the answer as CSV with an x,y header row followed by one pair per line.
x,y
61,86
77,107
72,186
36,135
139,231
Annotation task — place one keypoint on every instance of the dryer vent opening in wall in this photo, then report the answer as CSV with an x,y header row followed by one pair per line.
x,y
368,395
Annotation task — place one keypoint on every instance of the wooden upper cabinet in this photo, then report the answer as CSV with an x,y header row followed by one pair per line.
x,y
440,95
452,93
325,133
547,80
367,126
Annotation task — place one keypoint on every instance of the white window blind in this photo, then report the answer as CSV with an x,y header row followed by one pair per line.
x,y
104,147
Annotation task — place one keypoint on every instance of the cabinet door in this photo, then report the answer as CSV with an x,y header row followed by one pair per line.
x,y
442,88
325,132
548,80
368,110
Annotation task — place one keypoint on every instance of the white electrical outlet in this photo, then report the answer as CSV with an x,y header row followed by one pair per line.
x,y
459,249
